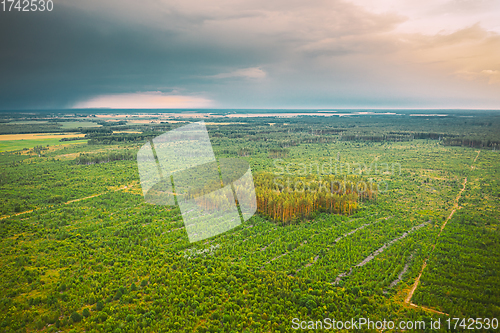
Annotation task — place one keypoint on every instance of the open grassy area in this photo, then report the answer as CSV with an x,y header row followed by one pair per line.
x,y
11,145
76,124
27,122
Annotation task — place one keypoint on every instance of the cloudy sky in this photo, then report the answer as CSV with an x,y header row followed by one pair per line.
x,y
252,54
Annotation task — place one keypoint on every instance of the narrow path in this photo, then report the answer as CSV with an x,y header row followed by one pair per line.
x,y
415,285
334,242
67,202
377,252
476,157
472,166
21,213
455,207
305,242
283,254
428,309
417,281
401,274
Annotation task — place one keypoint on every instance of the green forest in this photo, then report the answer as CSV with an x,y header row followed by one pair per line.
x,y
357,217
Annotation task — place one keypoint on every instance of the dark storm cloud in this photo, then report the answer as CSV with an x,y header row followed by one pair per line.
x,y
53,59
241,53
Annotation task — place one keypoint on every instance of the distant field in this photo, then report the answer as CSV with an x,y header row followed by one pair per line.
x,y
127,132
18,144
143,121
37,136
76,124
24,122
